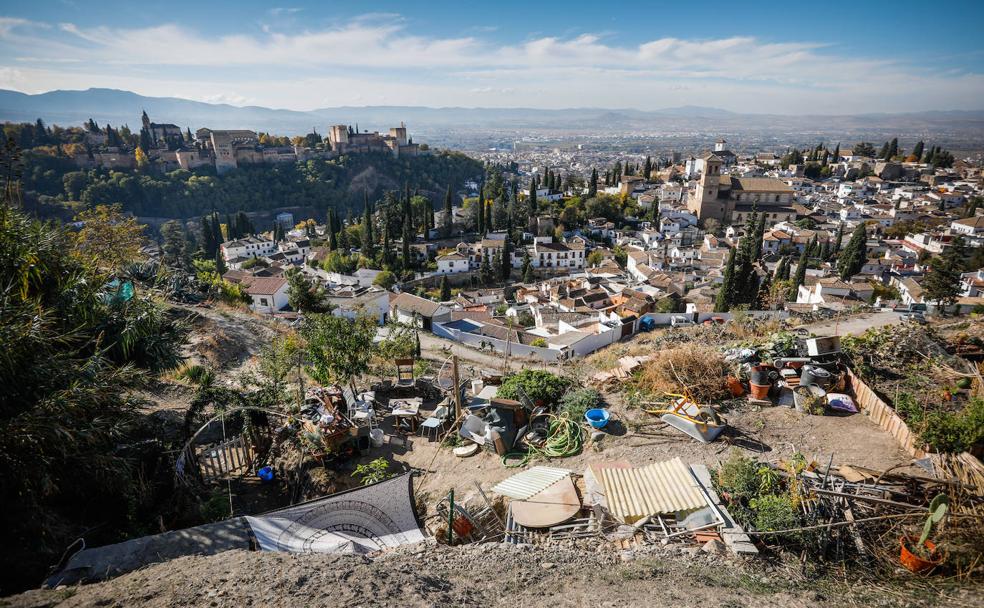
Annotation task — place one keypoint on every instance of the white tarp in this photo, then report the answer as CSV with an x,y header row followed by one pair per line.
x,y
357,521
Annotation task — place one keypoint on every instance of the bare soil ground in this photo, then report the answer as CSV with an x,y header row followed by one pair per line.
x,y
488,575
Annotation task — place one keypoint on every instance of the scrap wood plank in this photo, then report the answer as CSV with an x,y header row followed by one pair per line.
x,y
732,533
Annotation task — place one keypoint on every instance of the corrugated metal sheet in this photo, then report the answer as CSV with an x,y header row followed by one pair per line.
x,y
661,487
530,482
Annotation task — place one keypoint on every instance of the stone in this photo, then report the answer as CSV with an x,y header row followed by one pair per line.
x,y
597,436
547,565
714,547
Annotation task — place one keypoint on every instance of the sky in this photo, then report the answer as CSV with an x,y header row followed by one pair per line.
x,y
766,57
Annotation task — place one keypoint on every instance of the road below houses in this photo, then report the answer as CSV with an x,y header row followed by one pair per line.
x,y
854,325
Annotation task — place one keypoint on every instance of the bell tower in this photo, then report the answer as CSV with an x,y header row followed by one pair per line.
x,y
704,202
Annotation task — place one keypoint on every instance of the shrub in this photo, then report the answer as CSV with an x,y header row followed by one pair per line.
x,y
540,386
578,401
377,470
775,512
955,432
539,343
739,476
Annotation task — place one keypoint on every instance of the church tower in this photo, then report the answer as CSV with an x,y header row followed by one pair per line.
x,y
704,202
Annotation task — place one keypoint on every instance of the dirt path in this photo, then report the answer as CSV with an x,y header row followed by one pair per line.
x,y
854,325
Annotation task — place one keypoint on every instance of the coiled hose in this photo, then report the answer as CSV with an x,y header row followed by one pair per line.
x,y
565,437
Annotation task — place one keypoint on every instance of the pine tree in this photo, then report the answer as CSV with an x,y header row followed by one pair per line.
x,y
883,153
445,289
722,302
854,255
942,284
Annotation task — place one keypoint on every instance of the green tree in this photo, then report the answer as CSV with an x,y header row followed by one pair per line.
x,y
448,212
854,255
175,245
303,295
942,283
593,183
339,349
800,278
385,279
722,302
445,289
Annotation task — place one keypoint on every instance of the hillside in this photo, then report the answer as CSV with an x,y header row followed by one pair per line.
x,y
483,576
123,107
315,185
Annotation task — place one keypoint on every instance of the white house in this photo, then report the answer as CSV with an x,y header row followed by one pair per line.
x,y
413,310
452,263
267,294
248,247
969,226
352,302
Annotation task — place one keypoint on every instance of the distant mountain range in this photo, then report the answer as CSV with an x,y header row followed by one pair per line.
x,y
124,107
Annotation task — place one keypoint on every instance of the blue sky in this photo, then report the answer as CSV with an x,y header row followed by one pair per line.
x,y
788,57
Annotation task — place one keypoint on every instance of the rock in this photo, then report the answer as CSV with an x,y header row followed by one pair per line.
x,y
714,547
626,556
547,565
597,436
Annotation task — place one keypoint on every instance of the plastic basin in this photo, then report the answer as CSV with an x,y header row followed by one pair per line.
x,y
266,474
597,418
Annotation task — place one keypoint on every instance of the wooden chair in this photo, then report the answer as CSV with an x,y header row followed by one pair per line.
x,y
404,374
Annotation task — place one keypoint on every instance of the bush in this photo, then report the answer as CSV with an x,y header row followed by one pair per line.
x,y
540,386
775,512
955,432
578,401
377,470
739,476
701,369
539,343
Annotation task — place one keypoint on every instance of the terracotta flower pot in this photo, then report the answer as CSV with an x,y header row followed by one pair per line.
x,y
915,563
759,391
734,385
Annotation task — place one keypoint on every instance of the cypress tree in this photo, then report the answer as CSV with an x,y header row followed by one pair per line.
x,y
445,289
883,153
533,197
800,275
220,265
330,228
448,212
893,149
837,152
854,255
837,240
488,217
917,151
759,235
593,184
722,302
369,240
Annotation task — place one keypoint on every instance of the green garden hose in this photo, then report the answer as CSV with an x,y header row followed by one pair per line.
x,y
565,438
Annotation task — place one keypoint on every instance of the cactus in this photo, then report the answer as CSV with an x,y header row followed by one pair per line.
x,y
937,510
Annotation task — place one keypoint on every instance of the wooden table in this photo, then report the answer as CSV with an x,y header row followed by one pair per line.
x,y
406,409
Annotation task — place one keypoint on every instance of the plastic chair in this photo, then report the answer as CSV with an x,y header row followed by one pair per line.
x,y
435,422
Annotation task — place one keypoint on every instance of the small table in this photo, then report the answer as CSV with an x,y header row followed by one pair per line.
x,y
406,409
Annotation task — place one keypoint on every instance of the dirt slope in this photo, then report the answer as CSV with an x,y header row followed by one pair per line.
x,y
479,575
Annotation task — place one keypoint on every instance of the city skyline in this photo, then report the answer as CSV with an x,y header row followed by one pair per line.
x,y
878,57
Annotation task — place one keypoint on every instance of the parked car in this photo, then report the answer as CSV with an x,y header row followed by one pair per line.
x,y
915,317
681,320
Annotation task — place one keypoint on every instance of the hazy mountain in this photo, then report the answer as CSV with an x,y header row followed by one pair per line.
x,y
124,107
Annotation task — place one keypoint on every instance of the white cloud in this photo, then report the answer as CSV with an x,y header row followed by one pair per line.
x,y
375,57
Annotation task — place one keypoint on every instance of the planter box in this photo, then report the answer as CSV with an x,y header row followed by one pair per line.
x,y
884,416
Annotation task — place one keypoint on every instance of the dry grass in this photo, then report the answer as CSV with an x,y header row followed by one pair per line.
x,y
699,369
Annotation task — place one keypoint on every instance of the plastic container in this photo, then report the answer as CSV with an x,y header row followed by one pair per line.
x,y
376,437
597,417
759,391
813,375
914,563
266,474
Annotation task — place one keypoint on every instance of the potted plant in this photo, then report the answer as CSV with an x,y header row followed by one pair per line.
x,y
924,555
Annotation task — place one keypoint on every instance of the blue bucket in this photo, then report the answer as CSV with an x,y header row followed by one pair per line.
x,y
598,417
266,474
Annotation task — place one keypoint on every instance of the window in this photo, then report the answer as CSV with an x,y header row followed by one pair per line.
x,y
263,302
